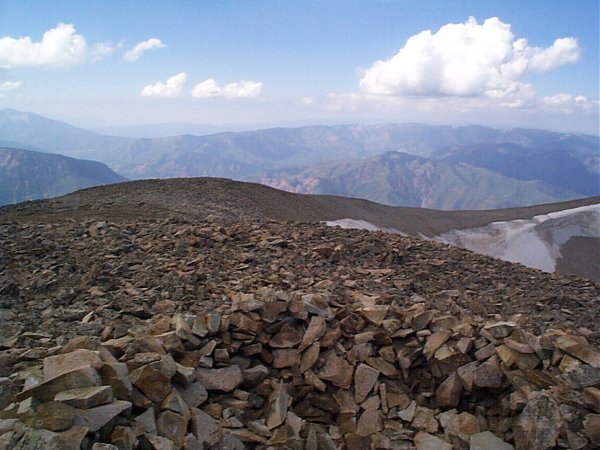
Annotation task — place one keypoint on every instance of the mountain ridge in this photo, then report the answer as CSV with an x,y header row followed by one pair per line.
x,y
29,175
460,171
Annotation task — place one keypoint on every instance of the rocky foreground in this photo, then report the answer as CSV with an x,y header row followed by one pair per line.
x,y
166,334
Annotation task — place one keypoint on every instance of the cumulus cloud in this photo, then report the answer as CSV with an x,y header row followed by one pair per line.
x,y
172,88
206,89
60,46
466,59
100,51
9,86
210,88
136,52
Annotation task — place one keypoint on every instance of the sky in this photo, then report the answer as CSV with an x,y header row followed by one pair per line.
x,y
506,63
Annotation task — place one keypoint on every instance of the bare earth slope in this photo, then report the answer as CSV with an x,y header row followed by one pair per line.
x,y
196,198
187,317
199,198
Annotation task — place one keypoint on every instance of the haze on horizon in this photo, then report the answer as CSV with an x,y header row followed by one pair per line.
x,y
248,63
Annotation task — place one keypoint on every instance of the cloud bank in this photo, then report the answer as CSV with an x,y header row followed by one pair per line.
x,y
241,89
9,86
60,46
466,59
150,44
172,88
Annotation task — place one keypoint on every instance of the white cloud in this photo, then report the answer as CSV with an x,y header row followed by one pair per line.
x,y
8,86
243,88
135,52
567,103
210,88
172,88
99,51
206,89
60,46
466,59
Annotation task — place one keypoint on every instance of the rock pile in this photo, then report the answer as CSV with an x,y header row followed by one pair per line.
x,y
298,369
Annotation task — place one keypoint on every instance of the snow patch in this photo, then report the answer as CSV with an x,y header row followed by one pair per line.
x,y
356,224
535,243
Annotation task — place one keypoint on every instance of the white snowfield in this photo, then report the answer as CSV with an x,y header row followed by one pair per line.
x,y
532,242
535,242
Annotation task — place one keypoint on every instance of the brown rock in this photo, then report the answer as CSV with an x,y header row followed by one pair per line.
x,y
255,375
591,427
425,420
204,427
287,337
337,370
117,376
194,394
368,423
225,379
408,414
79,378
582,376
172,426
485,352
487,440
426,441
500,330
310,357
159,443
96,418
124,438
53,416
316,329
280,402
84,398
489,374
579,350
176,403
591,397
380,364
147,421
435,341
538,426
365,378
449,391
152,381
375,314
104,446
466,374
421,320
69,362
317,304
507,355
285,357
23,437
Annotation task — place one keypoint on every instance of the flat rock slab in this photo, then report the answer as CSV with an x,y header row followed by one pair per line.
x,y
225,379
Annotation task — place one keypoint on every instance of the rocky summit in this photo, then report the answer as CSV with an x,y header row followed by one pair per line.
x,y
209,333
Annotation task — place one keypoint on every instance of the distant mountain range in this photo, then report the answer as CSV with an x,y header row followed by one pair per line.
x,y
443,167
400,179
27,175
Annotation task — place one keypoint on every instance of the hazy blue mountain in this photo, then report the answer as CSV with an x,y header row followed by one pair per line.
x,y
561,165
400,179
514,166
27,175
159,130
32,131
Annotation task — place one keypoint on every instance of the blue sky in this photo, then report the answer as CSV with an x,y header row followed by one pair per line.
x,y
262,63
